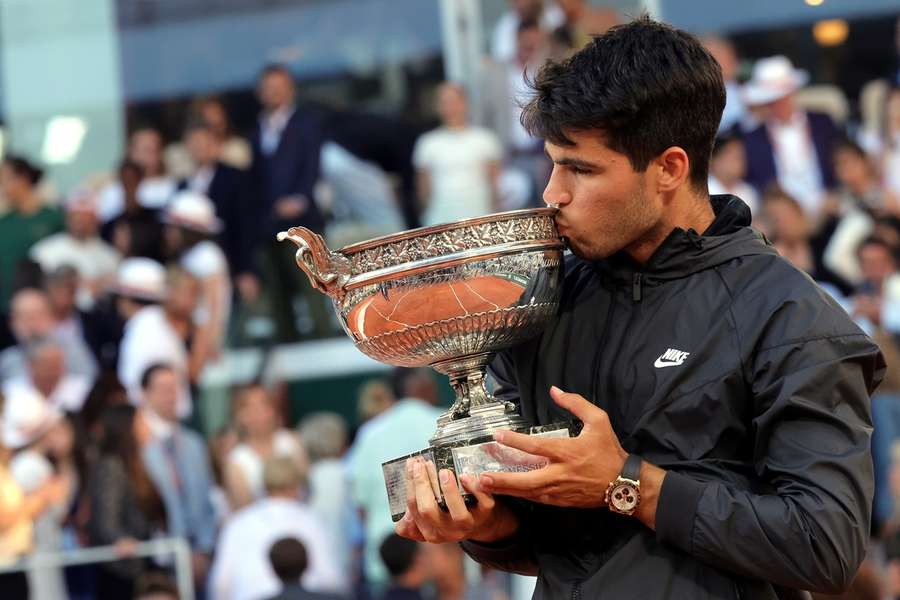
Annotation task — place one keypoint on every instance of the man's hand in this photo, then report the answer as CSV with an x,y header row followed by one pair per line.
x,y
580,468
425,521
291,207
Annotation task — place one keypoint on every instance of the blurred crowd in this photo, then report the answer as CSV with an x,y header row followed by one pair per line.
x,y
117,296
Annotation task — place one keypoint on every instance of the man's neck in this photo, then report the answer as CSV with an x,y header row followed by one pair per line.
x,y
690,211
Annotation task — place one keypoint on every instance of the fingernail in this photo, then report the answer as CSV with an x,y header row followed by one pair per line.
x,y
417,469
554,389
499,436
445,476
486,481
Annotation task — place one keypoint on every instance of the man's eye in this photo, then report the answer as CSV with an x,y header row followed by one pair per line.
x,y
579,171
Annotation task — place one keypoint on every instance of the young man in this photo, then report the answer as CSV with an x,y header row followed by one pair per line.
x,y
725,397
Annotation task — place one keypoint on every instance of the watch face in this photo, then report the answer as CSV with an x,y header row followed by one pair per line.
x,y
624,498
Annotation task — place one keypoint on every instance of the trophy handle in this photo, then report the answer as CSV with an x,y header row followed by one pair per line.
x,y
328,271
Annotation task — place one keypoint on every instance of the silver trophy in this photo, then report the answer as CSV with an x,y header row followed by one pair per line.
x,y
448,296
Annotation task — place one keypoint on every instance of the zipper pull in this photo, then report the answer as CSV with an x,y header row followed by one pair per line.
x,y
636,287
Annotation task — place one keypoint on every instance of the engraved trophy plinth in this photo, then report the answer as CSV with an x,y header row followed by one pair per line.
x,y
448,297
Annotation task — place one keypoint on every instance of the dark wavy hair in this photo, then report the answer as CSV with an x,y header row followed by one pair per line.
x,y
645,86
23,167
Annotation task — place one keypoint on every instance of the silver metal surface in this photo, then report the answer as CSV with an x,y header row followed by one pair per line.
x,y
446,296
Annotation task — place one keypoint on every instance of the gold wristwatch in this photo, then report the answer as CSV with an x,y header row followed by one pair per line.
x,y
623,495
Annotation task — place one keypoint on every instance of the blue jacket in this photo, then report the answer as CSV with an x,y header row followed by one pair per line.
x,y
761,155
189,511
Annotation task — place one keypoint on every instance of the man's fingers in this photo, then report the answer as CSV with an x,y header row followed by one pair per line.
x,y
528,443
456,506
522,485
406,527
425,501
473,486
577,405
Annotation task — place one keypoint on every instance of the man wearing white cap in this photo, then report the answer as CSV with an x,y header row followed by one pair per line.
x,y
793,146
81,247
191,223
149,337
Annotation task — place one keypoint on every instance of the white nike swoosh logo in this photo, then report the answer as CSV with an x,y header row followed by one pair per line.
x,y
660,363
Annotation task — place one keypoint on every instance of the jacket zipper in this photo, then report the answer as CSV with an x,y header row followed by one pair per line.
x,y
636,292
576,591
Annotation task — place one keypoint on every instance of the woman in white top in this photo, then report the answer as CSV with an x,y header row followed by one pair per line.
x,y
457,165
262,437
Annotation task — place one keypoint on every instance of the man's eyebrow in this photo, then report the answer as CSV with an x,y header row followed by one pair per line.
x,y
567,161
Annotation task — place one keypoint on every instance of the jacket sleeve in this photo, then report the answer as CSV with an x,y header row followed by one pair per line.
x,y
809,527
514,554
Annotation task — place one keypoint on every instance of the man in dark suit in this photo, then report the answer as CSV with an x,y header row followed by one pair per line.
x,y
791,147
229,190
289,560
285,168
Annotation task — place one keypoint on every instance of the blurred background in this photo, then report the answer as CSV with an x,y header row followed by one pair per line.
x,y
183,416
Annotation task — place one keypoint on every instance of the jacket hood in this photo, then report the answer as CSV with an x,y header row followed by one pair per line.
x,y
685,252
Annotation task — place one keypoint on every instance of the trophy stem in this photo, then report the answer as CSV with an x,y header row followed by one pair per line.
x,y
466,376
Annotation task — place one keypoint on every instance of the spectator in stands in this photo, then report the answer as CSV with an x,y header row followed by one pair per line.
x,y
241,570
145,149
262,437
18,511
232,149
402,429
735,115
176,461
502,91
32,320
374,397
137,230
155,586
863,203
890,145
788,228
43,442
792,146
46,375
547,15
286,158
27,221
191,224
149,336
227,188
289,561
81,247
582,21
457,164
125,506
324,436
98,326
406,565
220,446
727,168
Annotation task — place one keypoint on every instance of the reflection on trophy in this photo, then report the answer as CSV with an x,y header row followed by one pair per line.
x,y
447,296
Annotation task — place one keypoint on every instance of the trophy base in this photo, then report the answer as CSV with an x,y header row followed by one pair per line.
x,y
471,456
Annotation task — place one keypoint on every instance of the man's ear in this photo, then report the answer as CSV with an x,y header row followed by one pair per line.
x,y
673,169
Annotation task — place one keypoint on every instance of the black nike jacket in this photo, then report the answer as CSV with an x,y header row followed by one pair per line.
x,y
723,364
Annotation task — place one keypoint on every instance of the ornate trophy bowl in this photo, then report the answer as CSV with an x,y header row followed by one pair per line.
x,y
448,297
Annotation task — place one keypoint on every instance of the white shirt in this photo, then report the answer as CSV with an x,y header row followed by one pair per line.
x,y
520,139
241,570
92,258
330,500
199,181
272,126
457,161
154,193
505,37
402,429
68,395
796,163
150,339
251,464
205,260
